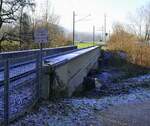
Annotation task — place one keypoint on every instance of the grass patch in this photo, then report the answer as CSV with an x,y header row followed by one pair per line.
x,y
86,44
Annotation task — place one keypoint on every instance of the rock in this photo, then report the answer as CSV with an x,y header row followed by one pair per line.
x,y
98,84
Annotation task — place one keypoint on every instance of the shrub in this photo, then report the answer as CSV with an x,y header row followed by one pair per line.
x,y
137,52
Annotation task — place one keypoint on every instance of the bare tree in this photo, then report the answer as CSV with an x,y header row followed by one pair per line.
x,y
140,23
147,22
10,12
9,9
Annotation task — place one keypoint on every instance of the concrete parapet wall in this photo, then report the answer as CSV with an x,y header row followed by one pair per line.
x,y
70,75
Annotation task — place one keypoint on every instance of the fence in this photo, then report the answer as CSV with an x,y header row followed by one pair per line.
x,y
20,81
19,86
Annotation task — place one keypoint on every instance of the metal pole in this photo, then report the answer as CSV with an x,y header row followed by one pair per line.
x,y
105,27
47,20
93,35
40,68
73,27
38,75
41,54
20,29
47,12
6,93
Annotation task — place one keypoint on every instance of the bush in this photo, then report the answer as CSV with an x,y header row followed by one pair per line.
x,y
137,52
10,46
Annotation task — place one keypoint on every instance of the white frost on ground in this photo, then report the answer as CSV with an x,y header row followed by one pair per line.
x,y
21,97
85,111
79,111
139,79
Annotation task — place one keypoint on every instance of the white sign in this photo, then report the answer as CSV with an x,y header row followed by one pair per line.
x,y
41,35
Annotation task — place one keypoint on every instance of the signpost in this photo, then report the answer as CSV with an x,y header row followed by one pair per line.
x,y
41,36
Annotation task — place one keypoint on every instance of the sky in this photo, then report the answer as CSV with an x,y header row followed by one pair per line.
x,y
115,11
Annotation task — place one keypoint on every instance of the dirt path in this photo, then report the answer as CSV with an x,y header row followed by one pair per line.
x,y
137,114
